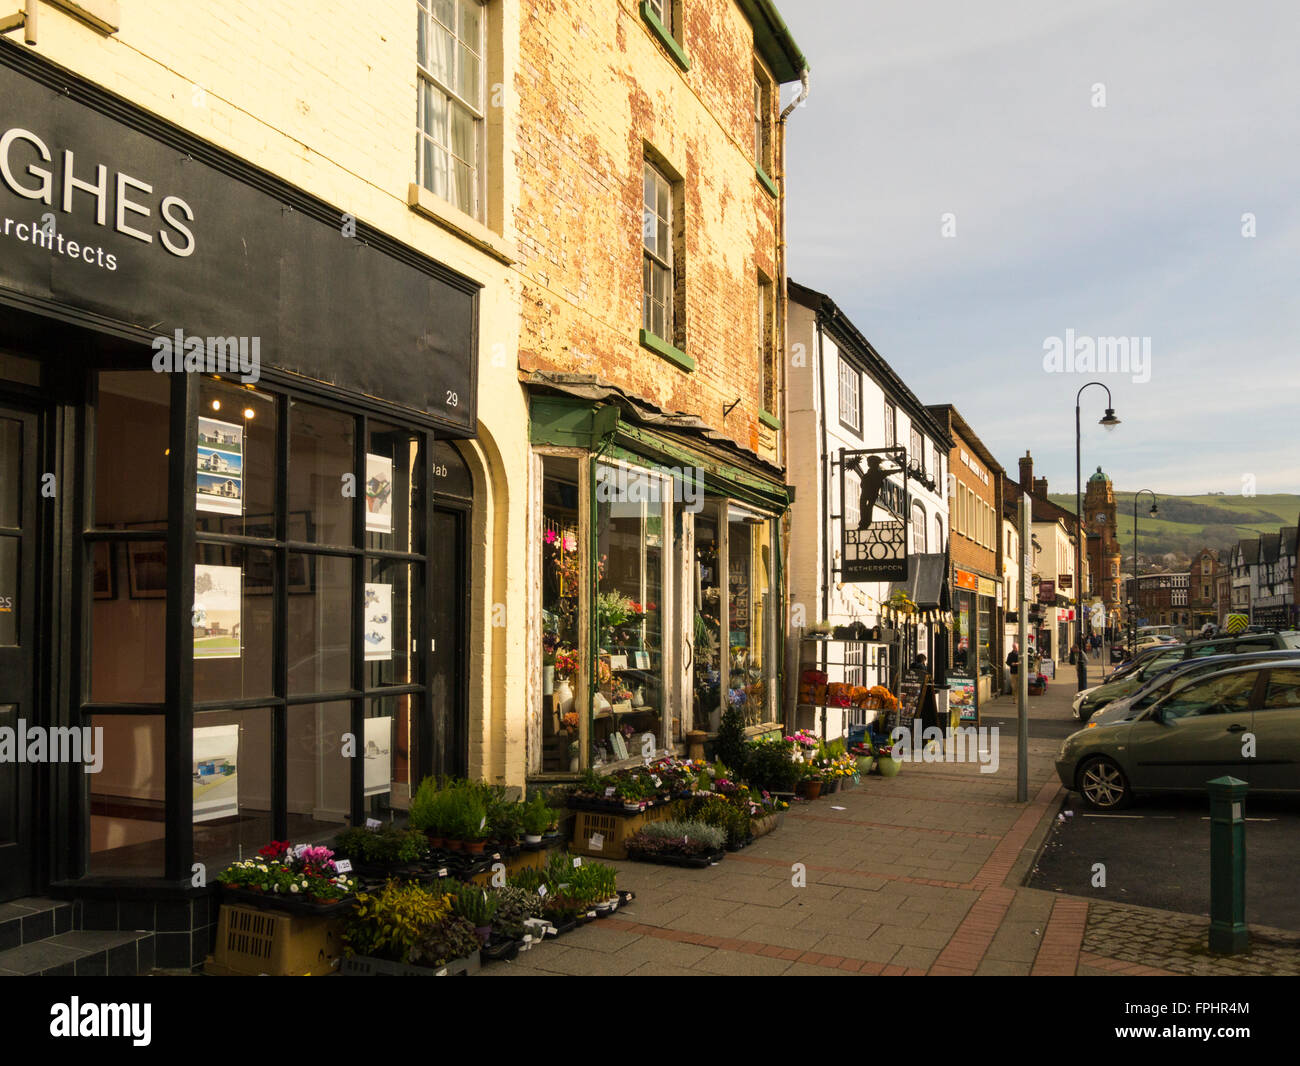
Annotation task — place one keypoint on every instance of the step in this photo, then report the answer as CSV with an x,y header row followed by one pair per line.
x,y
33,918
83,953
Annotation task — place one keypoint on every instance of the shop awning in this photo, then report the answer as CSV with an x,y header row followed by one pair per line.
x,y
925,585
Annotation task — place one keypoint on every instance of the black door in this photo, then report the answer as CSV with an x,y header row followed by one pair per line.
x,y
19,491
448,620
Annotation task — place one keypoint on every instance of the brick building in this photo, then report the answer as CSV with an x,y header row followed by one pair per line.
x,y
1104,555
975,553
1203,588
650,152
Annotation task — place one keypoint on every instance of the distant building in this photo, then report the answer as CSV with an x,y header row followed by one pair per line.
x,y
1203,587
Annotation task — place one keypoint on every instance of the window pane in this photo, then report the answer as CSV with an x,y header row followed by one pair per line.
x,y
322,450
471,15
231,781
561,576
233,622
319,774
127,796
665,208
394,474
649,190
129,634
661,240
320,623
390,744
629,619
706,639
131,442
237,475
468,77
445,12
422,38
387,631
463,188
442,55
11,465
749,609
648,229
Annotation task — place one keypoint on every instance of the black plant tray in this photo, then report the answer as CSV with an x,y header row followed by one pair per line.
x,y
625,897
738,847
502,949
692,862
286,904
565,927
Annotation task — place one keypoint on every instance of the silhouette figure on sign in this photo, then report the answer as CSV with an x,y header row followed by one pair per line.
x,y
872,480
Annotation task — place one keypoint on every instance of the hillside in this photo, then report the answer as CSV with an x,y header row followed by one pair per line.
x,y
1188,523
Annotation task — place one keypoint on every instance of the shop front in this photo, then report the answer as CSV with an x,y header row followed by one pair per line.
x,y
656,581
232,518
975,618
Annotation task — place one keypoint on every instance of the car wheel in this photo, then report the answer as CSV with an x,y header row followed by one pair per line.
x,y
1103,785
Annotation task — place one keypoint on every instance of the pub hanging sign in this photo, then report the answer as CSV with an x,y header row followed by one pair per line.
x,y
874,547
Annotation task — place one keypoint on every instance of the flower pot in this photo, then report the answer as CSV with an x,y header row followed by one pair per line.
x,y
888,766
532,838
548,679
563,697
866,763
810,789
483,932
573,764
632,808
831,786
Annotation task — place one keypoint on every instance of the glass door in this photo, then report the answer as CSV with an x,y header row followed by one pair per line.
x,y
708,638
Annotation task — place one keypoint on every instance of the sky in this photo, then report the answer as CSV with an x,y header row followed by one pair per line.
x,y
969,181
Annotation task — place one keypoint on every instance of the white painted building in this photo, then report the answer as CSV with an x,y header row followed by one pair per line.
x,y
841,395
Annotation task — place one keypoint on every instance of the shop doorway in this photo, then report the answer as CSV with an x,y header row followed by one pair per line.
x,y
19,486
447,625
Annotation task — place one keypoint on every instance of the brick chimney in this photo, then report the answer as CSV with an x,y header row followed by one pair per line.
x,y
1026,471
1040,487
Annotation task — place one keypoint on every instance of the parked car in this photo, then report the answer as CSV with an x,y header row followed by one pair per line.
x,y
1166,680
1191,735
1125,682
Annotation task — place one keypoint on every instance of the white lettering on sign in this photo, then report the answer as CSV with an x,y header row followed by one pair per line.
x,y
22,152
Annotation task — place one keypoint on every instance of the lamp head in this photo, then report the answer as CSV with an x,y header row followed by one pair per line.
x,y
1108,419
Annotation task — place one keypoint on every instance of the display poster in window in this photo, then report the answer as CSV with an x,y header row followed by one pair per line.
x,y
220,485
961,696
378,632
379,756
379,494
875,549
216,772
216,616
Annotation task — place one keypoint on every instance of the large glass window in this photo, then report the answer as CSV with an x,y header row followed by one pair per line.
x,y
450,110
750,610
561,599
631,518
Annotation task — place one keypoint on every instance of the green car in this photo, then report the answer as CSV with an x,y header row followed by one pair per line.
x,y
1243,721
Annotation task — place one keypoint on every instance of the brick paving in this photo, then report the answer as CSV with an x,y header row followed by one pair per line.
x,y
918,874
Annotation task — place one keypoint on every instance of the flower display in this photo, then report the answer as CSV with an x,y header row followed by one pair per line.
x,y
281,869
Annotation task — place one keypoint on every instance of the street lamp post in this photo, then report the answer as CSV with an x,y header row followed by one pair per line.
x,y
1132,620
1110,422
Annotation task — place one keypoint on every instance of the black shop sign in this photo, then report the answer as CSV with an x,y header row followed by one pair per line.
x,y
113,218
874,546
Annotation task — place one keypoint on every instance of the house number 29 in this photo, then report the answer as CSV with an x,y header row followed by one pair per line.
x,y
452,399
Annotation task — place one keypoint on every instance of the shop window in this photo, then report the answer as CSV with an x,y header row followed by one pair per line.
x,y
231,782
127,796
450,112
707,641
319,775
129,602
388,630
320,623
236,483
561,598
394,470
629,700
322,454
749,587
390,751
233,622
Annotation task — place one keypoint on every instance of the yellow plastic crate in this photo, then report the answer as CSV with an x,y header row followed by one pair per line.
x,y
612,830
251,942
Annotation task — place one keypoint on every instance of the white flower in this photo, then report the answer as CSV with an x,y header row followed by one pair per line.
x,y
293,888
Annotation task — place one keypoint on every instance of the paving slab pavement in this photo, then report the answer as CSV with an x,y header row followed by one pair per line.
x,y
918,874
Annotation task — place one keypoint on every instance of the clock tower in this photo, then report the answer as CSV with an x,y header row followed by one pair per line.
x,y
1104,553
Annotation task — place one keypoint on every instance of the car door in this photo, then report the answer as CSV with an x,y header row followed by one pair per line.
x,y
1193,735
1276,728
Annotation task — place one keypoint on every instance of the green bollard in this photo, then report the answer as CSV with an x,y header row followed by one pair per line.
x,y
1228,934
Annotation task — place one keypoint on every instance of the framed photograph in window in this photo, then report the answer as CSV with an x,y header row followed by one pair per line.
x,y
146,564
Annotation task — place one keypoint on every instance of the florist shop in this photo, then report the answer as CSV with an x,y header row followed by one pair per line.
x,y
655,584
218,552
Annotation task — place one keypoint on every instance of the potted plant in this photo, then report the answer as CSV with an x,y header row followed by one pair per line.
x,y
629,791
537,817
477,907
886,764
